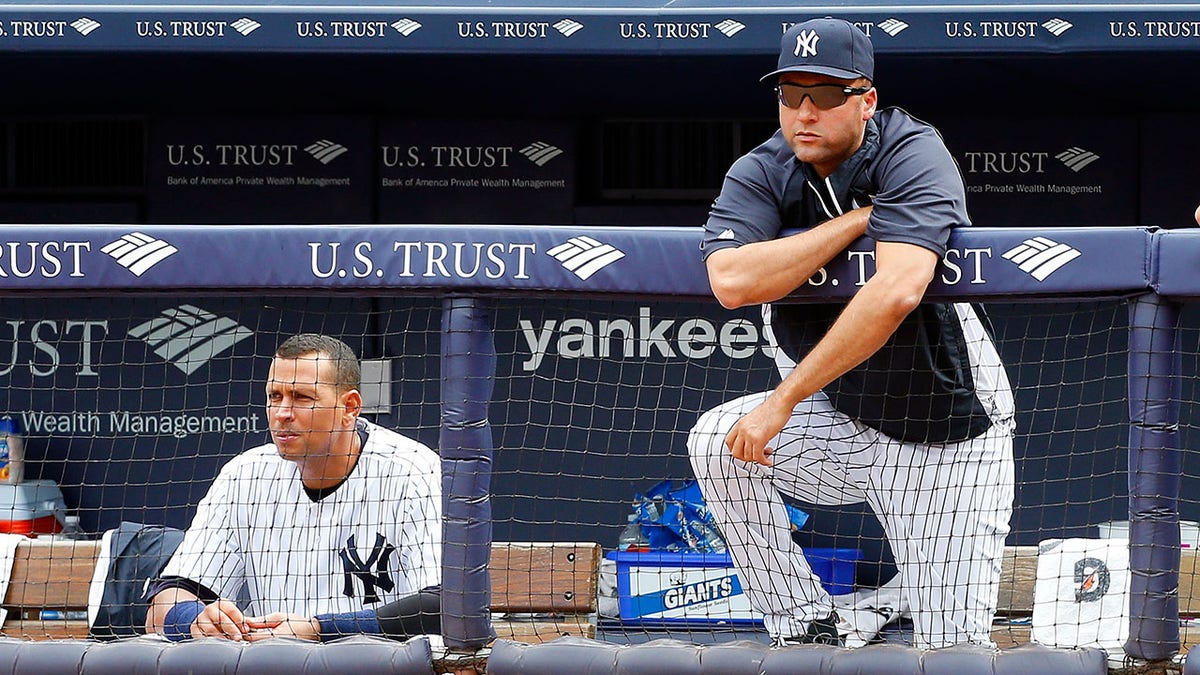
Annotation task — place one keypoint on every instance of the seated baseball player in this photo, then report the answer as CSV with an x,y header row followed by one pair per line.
x,y
332,528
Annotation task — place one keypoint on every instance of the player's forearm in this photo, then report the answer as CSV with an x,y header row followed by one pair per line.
x,y
333,626
415,614
863,327
769,270
161,604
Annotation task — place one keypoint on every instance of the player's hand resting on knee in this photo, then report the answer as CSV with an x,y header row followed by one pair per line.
x,y
748,438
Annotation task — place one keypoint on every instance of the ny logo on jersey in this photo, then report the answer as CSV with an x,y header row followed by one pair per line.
x,y
806,43
355,566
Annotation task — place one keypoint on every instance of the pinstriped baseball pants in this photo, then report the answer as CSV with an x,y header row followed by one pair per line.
x,y
944,508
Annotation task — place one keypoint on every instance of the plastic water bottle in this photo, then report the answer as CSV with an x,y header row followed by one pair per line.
x,y
12,452
71,528
63,615
631,538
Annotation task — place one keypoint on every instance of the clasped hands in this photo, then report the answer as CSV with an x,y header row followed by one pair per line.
x,y
223,619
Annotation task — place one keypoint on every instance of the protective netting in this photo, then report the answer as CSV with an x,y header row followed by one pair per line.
x,y
130,406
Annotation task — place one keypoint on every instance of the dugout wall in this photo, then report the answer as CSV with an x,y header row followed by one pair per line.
x,y
467,333
114,110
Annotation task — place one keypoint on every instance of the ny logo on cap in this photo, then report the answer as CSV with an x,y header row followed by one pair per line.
x,y
806,43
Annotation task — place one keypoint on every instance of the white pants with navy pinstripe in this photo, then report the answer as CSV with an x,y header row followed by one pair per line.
x,y
944,508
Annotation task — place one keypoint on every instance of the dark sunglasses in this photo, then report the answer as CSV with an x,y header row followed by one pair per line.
x,y
824,96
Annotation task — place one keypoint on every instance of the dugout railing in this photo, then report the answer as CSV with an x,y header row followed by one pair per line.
x,y
471,266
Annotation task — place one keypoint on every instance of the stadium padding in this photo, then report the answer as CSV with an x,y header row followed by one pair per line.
x,y
360,655
1009,263
734,658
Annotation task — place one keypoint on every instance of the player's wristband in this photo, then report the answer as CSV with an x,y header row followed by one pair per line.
x,y
177,624
348,623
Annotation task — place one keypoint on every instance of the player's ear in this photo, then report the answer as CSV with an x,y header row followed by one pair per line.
x,y
352,403
870,101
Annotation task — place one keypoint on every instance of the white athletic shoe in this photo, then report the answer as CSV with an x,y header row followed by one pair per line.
x,y
864,613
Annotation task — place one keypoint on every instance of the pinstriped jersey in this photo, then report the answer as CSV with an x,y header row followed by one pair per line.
x,y
373,539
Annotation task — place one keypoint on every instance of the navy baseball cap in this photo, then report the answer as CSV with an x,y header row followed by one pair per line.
x,y
828,46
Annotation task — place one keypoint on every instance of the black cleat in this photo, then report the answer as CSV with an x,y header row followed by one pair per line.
x,y
820,632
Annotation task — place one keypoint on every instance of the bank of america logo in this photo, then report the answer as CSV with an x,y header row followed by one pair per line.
x,y
1040,257
1076,158
584,256
188,337
730,27
893,27
568,27
406,27
1058,26
540,152
139,252
245,26
325,151
85,25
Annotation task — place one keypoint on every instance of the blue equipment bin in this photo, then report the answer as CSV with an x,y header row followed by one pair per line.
x,y
659,587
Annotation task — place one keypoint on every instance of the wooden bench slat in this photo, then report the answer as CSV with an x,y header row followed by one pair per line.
x,y
1189,583
572,625
558,577
54,573
38,629
1018,570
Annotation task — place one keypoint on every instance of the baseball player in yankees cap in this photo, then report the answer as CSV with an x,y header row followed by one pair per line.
x,y
887,399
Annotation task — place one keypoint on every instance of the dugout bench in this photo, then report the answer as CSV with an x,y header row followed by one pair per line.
x,y
540,591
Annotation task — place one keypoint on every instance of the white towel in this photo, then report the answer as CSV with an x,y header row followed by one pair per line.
x,y
8,551
1081,594
99,577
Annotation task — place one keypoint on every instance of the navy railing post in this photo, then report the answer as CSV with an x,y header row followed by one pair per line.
x,y
468,370
1155,465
